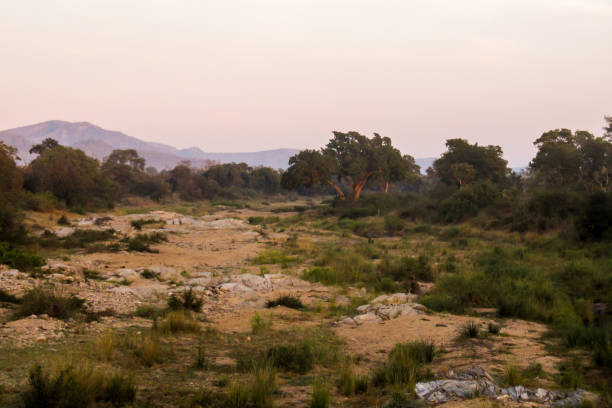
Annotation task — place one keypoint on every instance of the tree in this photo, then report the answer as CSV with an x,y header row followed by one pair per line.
x,y
573,160
125,167
71,176
392,166
309,168
11,179
265,179
48,143
464,163
608,128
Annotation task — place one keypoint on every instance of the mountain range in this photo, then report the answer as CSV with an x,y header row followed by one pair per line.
x,y
99,143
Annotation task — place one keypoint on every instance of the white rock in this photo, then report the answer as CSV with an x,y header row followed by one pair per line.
x,y
235,287
64,232
380,299
253,281
363,309
368,317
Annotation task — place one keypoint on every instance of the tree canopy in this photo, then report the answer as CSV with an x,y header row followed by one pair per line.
x,y
351,158
573,160
463,163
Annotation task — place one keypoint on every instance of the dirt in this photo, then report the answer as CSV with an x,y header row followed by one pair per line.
x,y
209,250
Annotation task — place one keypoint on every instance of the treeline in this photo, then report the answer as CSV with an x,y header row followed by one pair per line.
x,y
567,183
63,177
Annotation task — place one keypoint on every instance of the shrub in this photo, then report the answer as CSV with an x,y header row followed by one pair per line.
x,y
420,351
263,386
570,374
470,330
298,358
149,312
142,242
178,321
513,376
407,269
187,300
346,383
493,328
138,224
259,324
16,258
237,396
291,302
393,224
39,301
76,388
82,238
320,395
400,400
63,220
7,297
146,348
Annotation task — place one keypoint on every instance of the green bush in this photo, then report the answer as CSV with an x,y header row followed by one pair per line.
x,y
138,224
393,224
39,301
16,258
291,302
470,330
76,388
142,242
321,397
187,300
298,358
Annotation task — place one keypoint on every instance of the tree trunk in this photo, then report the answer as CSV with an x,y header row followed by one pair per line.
x,y
358,187
338,189
387,186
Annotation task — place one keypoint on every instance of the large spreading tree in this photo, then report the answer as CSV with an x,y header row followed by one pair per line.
x,y
351,158
574,160
463,163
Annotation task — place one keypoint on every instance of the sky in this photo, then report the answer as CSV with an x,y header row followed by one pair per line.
x,y
246,75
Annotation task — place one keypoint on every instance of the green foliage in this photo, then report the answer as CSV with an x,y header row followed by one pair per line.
x,y
570,374
39,301
400,400
263,386
187,300
138,224
142,242
291,302
297,358
77,388
321,397
493,328
260,324
403,365
470,330
72,177
16,258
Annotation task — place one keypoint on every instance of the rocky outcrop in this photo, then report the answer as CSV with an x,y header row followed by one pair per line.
x,y
477,382
386,307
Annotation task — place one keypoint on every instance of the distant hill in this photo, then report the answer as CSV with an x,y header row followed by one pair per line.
x,y
98,143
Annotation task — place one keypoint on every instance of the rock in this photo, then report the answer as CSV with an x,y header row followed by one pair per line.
x,y
41,339
379,299
202,281
348,321
235,288
10,273
419,307
164,272
64,232
253,281
368,317
127,274
363,309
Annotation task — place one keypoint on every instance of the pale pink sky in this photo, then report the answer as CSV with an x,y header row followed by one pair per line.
x,y
233,75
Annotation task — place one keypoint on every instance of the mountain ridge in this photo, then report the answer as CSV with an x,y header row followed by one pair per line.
x,y
99,143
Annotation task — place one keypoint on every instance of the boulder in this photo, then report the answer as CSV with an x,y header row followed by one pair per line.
x,y
365,318
252,281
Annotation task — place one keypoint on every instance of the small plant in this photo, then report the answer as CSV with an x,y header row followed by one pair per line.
x,y
178,321
570,374
259,324
39,301
237,396
63,221
320,395
148,274
400,400
263,386
187,300
77,387
201,361
147,349
16,258
138,224
104,346
91,274
513,376
493,328
142,242
346,383
470,330
287,301
297,358
149,312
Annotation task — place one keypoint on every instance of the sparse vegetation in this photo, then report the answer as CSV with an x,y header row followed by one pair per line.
x,y
187,300
291,302
40,301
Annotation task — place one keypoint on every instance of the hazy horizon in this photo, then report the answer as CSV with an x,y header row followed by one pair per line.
x,y
255,75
